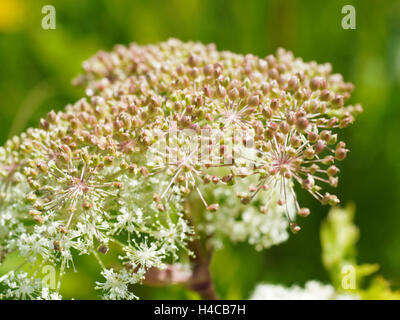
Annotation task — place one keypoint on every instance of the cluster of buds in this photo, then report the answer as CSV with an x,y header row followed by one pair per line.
x,y
290,110
159,124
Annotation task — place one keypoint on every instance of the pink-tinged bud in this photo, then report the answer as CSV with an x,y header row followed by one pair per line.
x,y
293,83
42,166
273,171
338,101
51,117
332,170
274,104
302,123
144,171
264,209
346,122
118,185
273,126
283,168
189,109
228,178
193,60
215,179
44,124
308,183
267,112
38,219
62,229
207,91
156,197
34,213
294,227
301,113
252,188
180,70
325,135
312,136
280,138
218,69
295,141
304,212
333,181
253,101
273,74
288,175
319,146
193,72
333,139
233,94
297,161
199,101
243,92
341,144
213,207
160,207
207,179
234,83
358,108
328,160
265,88
309,153
313,168
221,91
305,93
340,154
325,95
271,60
86,205
284,127
314,106
269,133
332,122
208,69
108,160
333,201
291,118
315,83
241,195
329,199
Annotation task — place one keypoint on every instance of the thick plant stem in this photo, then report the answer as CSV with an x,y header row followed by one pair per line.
x,y
202,282
197,278
201,279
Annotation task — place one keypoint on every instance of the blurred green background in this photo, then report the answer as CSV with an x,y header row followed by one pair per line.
x,y
36,67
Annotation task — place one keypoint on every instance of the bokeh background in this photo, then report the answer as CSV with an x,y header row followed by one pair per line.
x,y
37,66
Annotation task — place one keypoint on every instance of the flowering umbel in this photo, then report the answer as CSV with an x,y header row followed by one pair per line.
x,y
164,128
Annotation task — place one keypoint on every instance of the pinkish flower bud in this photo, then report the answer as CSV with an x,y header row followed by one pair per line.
x,y
254,101
302,123
294,227
304,212
319,146
213,207
340,154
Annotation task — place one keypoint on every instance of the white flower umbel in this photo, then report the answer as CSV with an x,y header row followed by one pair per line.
x,y
262,223
19,285
116,285
313,290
